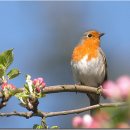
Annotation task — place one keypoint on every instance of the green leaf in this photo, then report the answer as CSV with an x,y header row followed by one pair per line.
x,y
6,58
21,95
2,70
26,88
36,126
55,127
13,73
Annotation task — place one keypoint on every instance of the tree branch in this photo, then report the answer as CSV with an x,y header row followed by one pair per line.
x,y
64,88
3,101
22,114
51,114
69,88
80,110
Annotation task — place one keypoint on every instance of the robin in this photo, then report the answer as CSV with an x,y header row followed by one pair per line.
x,y
89,64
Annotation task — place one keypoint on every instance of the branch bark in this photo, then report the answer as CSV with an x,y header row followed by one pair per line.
x,y
69,88
65,88
80,110
22,114
51,114
57,89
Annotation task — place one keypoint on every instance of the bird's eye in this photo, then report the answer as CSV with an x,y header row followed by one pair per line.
x,y
90,35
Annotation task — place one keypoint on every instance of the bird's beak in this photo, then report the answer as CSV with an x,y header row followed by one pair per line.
x,y
101,34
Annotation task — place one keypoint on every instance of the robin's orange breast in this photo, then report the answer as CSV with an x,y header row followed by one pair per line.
x,y
88,47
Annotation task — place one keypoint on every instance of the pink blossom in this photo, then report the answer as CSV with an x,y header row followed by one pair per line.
x,y
39,84
111,90
77,122
95,124
38,89
100,119
97,121
119,90
87,121
124,86
8,86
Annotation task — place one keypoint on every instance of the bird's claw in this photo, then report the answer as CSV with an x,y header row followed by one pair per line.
x,y
99,90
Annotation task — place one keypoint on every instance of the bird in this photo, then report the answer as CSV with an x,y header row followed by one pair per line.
x,y
89,65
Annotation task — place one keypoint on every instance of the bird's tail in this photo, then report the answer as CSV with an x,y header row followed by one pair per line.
x,y
94,99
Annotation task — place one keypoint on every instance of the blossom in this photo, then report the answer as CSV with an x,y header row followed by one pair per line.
x,y
39,84
77,122
99,120
6,86
87,121
111,90
123,83
119,90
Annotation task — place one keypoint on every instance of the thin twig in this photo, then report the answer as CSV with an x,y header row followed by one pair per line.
x,y
22,114
51,114
80,110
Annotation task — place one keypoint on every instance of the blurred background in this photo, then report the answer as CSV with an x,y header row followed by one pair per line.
x,y
43,35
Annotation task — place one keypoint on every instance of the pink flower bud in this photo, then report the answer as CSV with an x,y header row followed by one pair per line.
x,y
87,121
111,90
101,119
40,80
39,84
77,122
8,86
124,86
95,124
4,85
38,89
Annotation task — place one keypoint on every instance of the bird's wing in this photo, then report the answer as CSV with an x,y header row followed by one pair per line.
x,y
105,62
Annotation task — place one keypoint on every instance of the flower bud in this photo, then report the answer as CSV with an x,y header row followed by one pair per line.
x,y
77,122
39,84
87,121
8,86
124,86
111,90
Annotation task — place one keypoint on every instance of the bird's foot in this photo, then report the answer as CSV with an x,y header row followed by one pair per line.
x,y
99,89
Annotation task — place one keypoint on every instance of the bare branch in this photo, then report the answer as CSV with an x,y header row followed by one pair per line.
x,y
69,88
80,110
57,89
3,102
51,114
22,114
65,88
